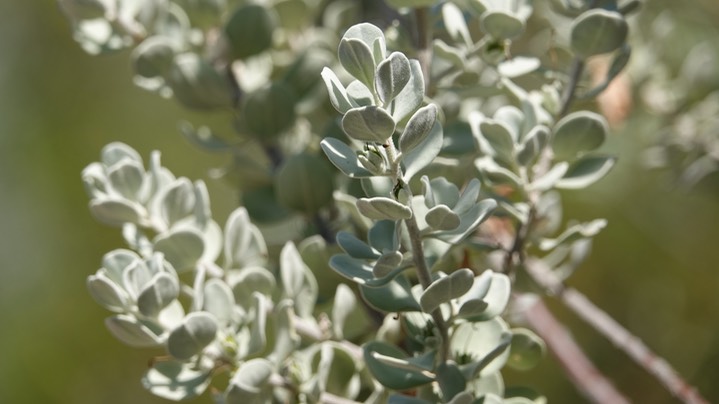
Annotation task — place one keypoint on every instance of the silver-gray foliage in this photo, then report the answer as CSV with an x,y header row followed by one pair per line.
x,y
429,150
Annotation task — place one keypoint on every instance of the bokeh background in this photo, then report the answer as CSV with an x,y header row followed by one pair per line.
x,y
655,268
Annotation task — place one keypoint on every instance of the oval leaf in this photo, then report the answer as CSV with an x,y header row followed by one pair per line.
x,y
196,332
344,158
380,208
418,128
598,31
578,132
445,289
368,124
158,294
393,74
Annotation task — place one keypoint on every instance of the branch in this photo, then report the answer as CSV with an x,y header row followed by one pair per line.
x,y
425,278
616,333
577,366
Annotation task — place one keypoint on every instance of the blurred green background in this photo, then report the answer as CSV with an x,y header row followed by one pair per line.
x,y
655,268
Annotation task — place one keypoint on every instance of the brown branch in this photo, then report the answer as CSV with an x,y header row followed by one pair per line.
x,y
580,370
616,333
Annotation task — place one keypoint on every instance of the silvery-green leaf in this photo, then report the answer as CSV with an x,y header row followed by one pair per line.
x,y
368,124
455,23
578,132
344,303
495,173
499,139
196,332
250,384
549,179
439,191
359,94
448,53
501,25
292,270
445,289
381,208
491,386
598,31
244,244
116,261
472,308
395,296
175,380
468,198
532,145
337,92
486,342
383,236
356,57
177,201
355,247
392,76
116,212
344,158
182,248
171,316
418,128
586,171
573,233
526,351
352,269
136,276
451,382
441,217
202,212
479,288
411,97
371,36
249,30
469,220
393,377
386,263
497,296
127,178
219,301
115,152
337,371
423,154
298,282
107,293
157,294
258,337
286,338
131,332
377,186
518,66
95,181
249,280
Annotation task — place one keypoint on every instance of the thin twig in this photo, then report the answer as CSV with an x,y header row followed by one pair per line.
x,y
425,279
568,97
588,380
577,366
616,333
